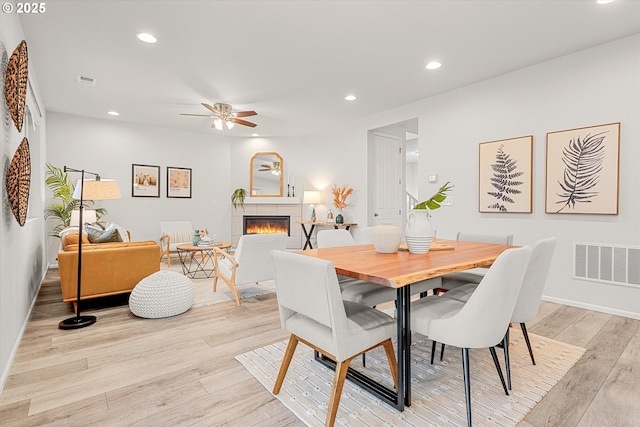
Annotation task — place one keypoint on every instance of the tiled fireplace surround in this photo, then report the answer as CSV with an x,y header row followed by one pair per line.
x,y
281,206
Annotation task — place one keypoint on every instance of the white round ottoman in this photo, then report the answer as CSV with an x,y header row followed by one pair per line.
x,y
163,294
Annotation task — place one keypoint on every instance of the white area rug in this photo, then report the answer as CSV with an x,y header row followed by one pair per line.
x,y
437,390
204,288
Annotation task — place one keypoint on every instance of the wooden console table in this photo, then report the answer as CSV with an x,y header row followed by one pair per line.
x,y
307,234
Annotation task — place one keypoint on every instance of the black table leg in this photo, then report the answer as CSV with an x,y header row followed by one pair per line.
x,y
307,236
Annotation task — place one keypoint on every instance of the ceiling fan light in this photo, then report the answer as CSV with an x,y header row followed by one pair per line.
x,y
217,123
229,124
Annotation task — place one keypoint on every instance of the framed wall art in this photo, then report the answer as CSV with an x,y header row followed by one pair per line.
x,y
583,170
145,181
178,182
505,175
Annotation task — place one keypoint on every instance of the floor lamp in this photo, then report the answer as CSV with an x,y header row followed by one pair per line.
x,y
95,189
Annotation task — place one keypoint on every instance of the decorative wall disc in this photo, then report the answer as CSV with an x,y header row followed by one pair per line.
x,y
18,182
15,85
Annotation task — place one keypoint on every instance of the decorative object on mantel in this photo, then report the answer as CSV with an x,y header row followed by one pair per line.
x,y
418,232
15,84
237,198
340,196
386,238
18,182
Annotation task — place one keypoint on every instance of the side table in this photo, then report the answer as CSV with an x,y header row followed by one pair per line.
x,y
192,264
313,224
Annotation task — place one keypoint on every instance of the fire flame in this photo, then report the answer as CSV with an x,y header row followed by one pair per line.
x,y
266,228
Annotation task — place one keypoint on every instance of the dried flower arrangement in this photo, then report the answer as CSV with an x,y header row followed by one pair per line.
x,y
340,196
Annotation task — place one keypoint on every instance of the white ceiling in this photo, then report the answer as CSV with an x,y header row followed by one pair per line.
x,y
294,61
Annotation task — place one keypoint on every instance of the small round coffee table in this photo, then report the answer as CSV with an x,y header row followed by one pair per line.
x,y
192,264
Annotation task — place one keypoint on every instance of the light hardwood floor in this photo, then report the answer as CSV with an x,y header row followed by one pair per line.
x,y
126,371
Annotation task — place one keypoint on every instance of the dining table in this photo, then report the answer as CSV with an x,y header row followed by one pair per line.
x,y
399,270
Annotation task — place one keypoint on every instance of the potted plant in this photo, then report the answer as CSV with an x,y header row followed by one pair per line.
x,y
237,198
63,202
418,232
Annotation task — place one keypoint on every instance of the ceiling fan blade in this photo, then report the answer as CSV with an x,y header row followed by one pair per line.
x,y
243,122
210,108
199,115
245,113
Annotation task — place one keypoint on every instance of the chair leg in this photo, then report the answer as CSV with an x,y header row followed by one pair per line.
x,y
505,346
497,363
215,281
467,383
441,351
286,361
336,391
391,358
364,360
526,338
433,350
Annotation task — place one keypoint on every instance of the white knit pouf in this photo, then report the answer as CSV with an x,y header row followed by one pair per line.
x,y
163,294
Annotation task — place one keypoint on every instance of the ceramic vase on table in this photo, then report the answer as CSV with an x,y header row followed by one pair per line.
x,y
386,238
418,232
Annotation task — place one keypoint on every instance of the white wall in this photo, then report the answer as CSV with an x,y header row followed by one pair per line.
x,y
110,147
22,253
592,87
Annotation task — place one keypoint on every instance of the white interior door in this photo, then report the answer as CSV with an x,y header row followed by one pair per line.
x,y
386,183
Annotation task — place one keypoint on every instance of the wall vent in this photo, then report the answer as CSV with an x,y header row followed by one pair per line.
x,y
615,264
87,81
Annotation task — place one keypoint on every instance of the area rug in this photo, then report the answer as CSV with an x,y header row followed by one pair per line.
x,y
204,288
437,390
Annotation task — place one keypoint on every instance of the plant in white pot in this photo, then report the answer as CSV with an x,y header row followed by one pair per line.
x,y
418,232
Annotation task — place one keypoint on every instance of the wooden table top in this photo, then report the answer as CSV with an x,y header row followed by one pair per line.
x,y
192,247
401,268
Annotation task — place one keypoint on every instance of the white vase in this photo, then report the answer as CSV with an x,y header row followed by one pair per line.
x,y
418,232
386,238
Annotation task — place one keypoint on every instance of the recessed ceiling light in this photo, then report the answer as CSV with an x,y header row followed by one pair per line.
x,y
433,65
113,113
350,97
604,1
255,134
147,38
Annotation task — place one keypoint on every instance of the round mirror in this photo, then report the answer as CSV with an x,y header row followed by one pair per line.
x,y
267,169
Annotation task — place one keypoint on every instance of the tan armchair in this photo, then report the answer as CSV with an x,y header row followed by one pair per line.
x,y
174,233
251,262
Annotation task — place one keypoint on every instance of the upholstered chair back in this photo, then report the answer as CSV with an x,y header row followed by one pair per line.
x,y
253,255
334,238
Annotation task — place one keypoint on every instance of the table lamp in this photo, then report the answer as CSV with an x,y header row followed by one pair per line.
x,y
311,197
96,189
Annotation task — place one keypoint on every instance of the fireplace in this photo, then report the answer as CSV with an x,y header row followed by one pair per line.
x,y
263,224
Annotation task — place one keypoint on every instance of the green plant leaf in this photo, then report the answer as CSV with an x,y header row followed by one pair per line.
x,y
434,202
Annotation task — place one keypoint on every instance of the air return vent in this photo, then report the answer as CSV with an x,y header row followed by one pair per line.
x,y
600,262
87,81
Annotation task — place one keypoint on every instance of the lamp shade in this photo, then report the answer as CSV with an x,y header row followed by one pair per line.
x,y
311,197
103,189
88,215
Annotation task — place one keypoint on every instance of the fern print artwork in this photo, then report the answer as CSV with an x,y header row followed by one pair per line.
x,y
505,175
582,170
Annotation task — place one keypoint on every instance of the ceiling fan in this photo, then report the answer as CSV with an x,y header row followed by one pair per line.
x,y
223,116
274,167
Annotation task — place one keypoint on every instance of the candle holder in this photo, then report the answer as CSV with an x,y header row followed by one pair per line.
x,y
293,191
288,190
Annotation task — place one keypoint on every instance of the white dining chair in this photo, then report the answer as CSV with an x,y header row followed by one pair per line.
x,y
528,301
473,275
481,322
313,311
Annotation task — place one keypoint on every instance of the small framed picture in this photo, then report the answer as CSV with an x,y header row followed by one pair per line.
x,y
506,175
179,182
583,170
145,181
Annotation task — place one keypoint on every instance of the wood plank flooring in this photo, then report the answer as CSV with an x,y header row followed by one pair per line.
x,y
181,371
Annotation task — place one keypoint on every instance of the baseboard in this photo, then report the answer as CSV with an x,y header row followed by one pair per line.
x,y
16,344
599,308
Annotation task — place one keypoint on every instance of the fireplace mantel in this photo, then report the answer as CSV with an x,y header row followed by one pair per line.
x,y
272,201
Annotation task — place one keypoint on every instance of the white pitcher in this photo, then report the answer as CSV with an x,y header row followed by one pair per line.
x,y
418,232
